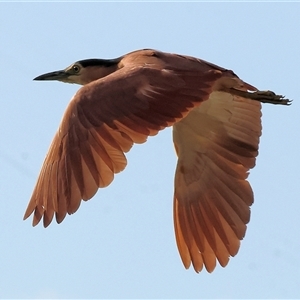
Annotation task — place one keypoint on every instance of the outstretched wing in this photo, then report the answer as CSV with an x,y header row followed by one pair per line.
x,y
217,144
105,118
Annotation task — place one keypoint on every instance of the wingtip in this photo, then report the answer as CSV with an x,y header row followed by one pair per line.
x,y
26,215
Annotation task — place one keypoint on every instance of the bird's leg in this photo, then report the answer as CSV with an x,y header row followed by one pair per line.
x,y
261,96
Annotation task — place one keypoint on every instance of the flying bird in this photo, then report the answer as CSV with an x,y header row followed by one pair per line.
x,y
216,119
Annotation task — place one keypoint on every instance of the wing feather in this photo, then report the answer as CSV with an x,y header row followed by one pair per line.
x,y
217,144
105,118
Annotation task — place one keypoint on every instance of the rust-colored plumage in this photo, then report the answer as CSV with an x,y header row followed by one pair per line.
x,y
216,129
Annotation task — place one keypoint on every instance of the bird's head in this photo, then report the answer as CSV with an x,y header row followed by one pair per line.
x,y
83,71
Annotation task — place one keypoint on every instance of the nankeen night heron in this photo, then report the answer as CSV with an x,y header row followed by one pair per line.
x,y
216,119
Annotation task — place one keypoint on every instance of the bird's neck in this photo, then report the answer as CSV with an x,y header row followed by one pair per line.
x,y
97,73
98,68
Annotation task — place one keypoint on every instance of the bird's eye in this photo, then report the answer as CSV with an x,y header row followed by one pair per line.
x,y
76,68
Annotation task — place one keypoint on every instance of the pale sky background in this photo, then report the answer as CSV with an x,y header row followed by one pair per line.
x,y
121,243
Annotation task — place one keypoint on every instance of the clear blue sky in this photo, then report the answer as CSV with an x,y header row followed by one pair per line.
x,y
121,243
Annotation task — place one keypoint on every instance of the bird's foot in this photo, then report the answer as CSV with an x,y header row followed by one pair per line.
x,y
269,97
261,96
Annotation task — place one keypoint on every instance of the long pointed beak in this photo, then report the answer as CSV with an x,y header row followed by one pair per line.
x,y
57,75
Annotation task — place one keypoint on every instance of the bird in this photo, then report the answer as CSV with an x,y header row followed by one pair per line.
x,y
216,120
